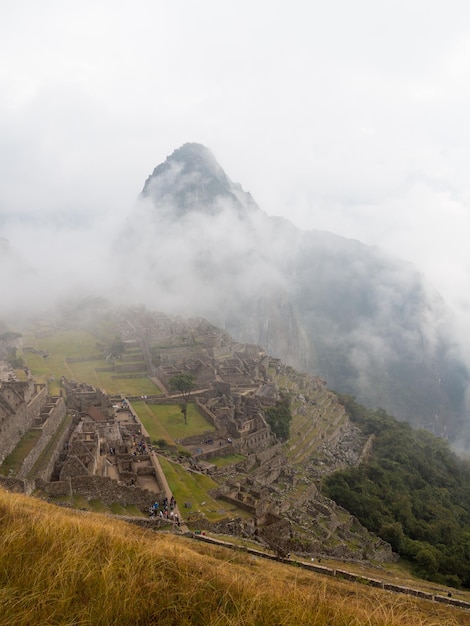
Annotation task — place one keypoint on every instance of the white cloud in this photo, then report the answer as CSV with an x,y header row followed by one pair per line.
x,y
349,117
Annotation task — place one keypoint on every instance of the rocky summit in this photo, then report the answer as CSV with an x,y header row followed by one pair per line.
x,y
191,179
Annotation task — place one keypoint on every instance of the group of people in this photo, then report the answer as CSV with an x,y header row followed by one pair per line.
x,y
166,510
141,448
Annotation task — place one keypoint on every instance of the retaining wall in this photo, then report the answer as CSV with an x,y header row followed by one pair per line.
x,y
48,431
342,574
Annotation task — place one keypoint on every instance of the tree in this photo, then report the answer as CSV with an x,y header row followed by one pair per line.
x,y
183,384
12,359
116,348
279,417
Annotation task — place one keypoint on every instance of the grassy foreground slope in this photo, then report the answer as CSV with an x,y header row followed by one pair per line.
x,y
59,566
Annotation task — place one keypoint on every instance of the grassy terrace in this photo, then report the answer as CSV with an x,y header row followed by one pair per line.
x,y
43,459
223,461
26,444
165,421
195,488
14,460
67,344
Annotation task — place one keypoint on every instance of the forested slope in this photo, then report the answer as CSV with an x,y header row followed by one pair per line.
x,y
413,491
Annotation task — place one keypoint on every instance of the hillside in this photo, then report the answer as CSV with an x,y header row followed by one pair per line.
x,y
268,485
260,442
64,567
198,245
412,491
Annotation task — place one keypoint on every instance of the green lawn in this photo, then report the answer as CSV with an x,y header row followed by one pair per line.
x,y
165,421
223,461
86,372
194,488
58,346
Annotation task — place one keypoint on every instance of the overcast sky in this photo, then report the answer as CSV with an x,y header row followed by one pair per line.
x,y
344,116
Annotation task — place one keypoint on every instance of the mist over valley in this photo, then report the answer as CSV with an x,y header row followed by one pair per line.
x,y
197,244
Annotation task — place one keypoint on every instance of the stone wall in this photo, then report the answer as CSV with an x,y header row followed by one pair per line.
x,y
127,368
254,442
55,489
48,470
224,450
37,402
83,455
48,431
110,491
101,488
210,417
329,571
15,485
14,425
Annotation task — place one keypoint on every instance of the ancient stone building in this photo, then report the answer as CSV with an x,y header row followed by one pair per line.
x,y
80,397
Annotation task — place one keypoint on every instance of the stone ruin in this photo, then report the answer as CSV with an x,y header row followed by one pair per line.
x,y
97,459
21,406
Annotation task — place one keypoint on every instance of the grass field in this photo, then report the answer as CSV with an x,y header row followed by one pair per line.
x,y
59,566
79,344
194,488
165,421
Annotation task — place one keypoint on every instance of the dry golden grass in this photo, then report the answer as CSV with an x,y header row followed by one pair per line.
x,y
59,566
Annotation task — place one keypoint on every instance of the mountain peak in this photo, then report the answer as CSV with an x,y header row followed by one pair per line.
x,y
192,179
195,155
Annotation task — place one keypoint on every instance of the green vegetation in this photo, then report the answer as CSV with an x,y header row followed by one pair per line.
x,y
194,488
58,566
116,347
279,417
14,460
13,359
183,384
55,354
413,492
165,421
223,461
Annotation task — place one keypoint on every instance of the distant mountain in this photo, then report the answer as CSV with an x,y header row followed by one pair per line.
x,y
197,244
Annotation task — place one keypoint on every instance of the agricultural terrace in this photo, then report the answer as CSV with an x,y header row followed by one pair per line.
x,y
166,421
72,344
